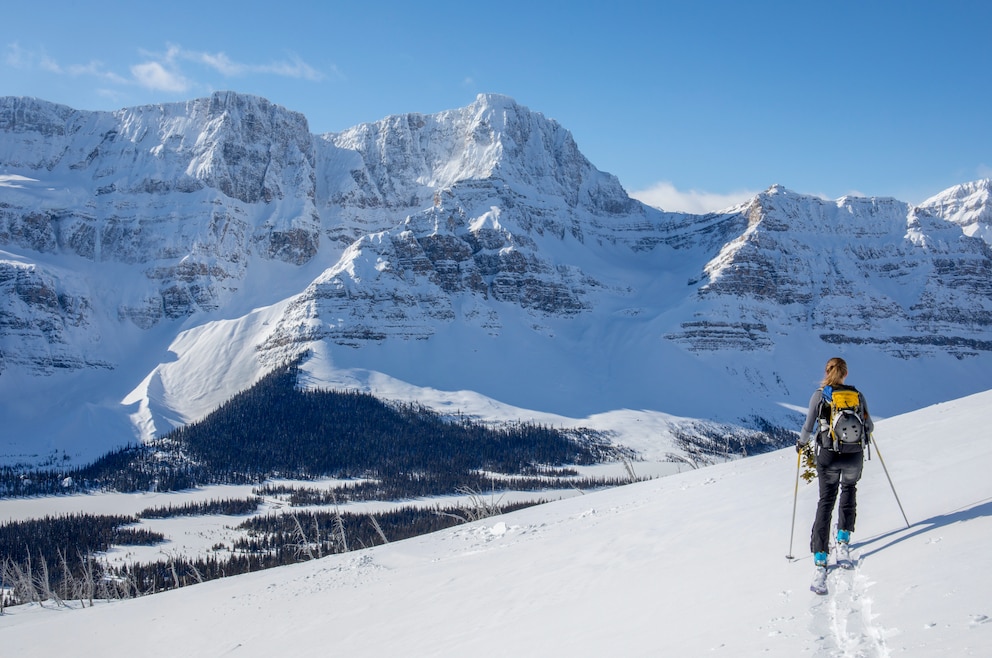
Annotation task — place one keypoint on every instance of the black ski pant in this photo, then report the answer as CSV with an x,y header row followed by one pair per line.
x,y
835,471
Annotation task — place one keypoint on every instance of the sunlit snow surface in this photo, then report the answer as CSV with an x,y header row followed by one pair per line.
x,y
687,565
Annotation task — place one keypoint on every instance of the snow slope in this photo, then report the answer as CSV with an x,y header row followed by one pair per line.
x,y
687,565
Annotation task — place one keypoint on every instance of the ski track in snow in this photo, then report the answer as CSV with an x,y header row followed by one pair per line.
x,y
842,621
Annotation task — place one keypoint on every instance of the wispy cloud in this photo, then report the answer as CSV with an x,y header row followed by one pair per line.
x,y
96,70
173,70
165,71
292,67
21,58
666,196
16,57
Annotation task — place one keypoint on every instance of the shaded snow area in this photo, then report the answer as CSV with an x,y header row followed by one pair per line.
x,y
686,565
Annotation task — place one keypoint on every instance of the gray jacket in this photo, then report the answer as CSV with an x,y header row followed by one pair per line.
x,y
810,426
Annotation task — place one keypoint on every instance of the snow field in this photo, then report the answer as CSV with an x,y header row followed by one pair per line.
x,y
690,564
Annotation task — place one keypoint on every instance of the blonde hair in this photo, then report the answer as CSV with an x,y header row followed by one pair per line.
x,y
835,372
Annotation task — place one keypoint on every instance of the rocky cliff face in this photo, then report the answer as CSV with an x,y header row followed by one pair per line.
x,y
141,231
968,205
191,193
464,203
852,271
46,321
186,193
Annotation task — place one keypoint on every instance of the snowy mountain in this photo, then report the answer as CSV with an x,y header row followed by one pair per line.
x,y
156,260
686,565
967,205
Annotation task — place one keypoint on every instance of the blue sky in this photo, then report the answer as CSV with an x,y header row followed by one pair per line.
x,y
699,102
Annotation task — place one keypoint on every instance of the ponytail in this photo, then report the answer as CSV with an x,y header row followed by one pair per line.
x,y
835,372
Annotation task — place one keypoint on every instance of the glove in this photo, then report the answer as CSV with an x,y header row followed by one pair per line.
x,y
800,446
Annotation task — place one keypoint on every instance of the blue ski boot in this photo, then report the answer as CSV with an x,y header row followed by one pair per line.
x,y
819,585
844,560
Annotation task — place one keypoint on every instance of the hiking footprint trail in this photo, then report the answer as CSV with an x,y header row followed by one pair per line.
x,y
842,623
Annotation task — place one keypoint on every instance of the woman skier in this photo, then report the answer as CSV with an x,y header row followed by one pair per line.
x,y
839,462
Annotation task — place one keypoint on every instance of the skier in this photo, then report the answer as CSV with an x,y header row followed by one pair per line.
x,y
835,469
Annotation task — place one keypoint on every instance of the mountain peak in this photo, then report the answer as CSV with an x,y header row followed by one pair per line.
x,y
968,205
497,101
494,139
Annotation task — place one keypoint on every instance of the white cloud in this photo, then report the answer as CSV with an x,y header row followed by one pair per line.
x,y
16,56
97,70
49,64
154,75
294,67
20,58
220,62
666,196
164,71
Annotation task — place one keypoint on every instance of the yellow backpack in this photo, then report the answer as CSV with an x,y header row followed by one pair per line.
x,y
845,418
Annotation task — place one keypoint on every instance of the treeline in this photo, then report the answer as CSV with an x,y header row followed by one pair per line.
x,y
226,506
127,469
702,444
53,559
313,534
430,484
274,426
276,429
84,533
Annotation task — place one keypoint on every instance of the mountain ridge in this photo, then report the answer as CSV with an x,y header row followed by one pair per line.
x,y
156,260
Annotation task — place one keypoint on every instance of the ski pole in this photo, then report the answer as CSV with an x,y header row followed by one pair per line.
x,y
892,486
795,496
